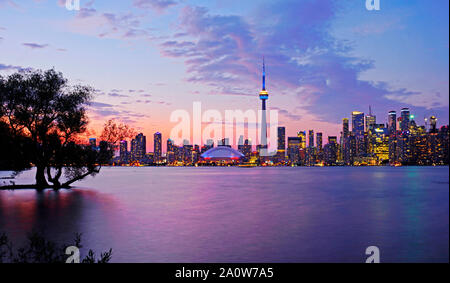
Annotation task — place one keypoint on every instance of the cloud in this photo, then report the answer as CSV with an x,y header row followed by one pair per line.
x,y
158,5
305,62
35,45
4,67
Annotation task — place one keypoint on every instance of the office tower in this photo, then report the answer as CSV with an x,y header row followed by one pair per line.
x,y
405,119
123,148
311,138
281,148
294,145
302,136
433,124
319,141
170,152
157,139
358,123
138,147
345,127
263,96
371,120
93,143
246,150
392,122
331,150
281,139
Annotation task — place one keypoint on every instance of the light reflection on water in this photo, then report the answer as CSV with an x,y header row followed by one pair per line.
x,y
244,214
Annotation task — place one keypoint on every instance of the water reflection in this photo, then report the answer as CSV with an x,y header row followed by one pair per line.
x,y
239,215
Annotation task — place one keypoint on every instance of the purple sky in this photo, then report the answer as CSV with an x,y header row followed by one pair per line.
x,y
324,58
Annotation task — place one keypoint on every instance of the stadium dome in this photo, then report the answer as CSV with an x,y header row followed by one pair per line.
x,y
222,153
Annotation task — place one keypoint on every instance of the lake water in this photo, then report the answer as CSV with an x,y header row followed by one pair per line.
x,y
151,214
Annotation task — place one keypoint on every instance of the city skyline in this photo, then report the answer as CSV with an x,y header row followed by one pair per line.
x,y
151,60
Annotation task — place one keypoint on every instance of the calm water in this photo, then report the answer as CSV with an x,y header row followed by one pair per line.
x,y
244,214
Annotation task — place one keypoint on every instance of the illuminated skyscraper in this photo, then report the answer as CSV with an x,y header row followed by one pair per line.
x,y
302,136
358,123
294,144
281,149
345,127
123,151
157,147
371,120
311,138
319,141
264,95
405,119
392,122
138,147
433,124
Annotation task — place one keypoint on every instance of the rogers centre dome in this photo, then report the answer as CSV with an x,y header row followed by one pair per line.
x,y
222,153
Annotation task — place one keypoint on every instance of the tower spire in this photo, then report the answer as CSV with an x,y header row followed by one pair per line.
x,y
264,74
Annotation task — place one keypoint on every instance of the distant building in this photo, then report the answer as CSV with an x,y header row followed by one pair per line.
x,y
157,140
358,123
123,151
294,145
405,119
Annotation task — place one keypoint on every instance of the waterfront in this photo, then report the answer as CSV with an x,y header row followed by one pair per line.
x,y
162,214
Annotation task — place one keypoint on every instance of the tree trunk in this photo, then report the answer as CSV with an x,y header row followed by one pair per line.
x,y
41,182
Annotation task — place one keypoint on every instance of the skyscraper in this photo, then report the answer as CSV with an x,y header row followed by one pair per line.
x,y
405,119
294,144
138,147
157,147
345,127
392,122
281,149
302,136
371,120
433,124
264,95
311,138
123,151
358,123
319,141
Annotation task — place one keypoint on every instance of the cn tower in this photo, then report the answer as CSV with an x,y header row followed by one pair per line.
x,y
264,95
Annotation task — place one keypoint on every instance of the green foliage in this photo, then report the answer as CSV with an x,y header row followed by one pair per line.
x,y
40,250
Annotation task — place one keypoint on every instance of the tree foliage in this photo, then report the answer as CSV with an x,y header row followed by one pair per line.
x,y
42,111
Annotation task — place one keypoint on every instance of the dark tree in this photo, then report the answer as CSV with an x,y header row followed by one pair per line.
x,y
41,108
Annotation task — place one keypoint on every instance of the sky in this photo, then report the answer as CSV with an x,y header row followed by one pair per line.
x,y
325,58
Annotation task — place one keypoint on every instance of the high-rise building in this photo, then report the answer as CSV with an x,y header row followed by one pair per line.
x,y
392,122
319,141
345,127
331,150
138,147
264,96
433,124
371,120
281,139
123,148
281,149
294,144
405,119
311,138
157,139
302,136
358,123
